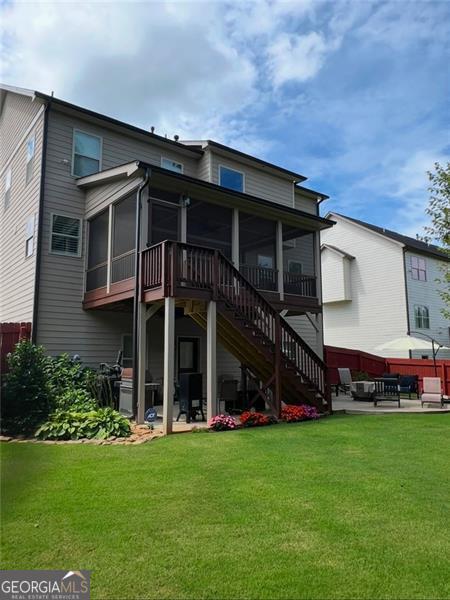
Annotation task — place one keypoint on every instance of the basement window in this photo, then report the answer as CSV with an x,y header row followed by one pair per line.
x,y
87,153
65,235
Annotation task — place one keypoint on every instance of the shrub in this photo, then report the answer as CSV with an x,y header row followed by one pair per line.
x,y
75,400
66,374
72,425
222,423
26,398
360,376
293,414
256,419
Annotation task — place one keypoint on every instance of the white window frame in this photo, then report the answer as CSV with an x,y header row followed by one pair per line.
x,y
163,158
419,317
80,235
100,161
128,358
30,160
29,235
8,185
237,171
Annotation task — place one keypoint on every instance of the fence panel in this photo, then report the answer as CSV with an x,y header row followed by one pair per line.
x,y
10,334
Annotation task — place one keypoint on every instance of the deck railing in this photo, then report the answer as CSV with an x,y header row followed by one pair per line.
x,y
262,278
175,265
301,285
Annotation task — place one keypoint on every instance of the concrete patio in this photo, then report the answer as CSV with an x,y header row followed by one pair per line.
x,y
344,403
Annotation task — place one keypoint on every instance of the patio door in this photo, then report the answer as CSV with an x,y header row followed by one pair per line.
x,y
188,355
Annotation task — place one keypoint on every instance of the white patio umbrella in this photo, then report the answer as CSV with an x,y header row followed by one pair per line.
x,y
408,342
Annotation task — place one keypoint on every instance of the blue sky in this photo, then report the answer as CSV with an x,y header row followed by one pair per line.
x,y
352,94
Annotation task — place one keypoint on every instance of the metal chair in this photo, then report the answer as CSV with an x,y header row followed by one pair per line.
x,y
345,380
228,393
386,390
409,384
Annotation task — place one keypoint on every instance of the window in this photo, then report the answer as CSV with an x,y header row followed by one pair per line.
x,y
30,161
8,177
295,267
29,237
231,179
418,268
127,351
87,151
265,262
65,235
422,317
172,165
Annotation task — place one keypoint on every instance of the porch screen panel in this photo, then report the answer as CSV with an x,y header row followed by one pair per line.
x,y
298,261
98,252
163,223
124,239
257,251
210,225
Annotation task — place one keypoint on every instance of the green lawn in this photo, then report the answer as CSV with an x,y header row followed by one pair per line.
x,y
348,507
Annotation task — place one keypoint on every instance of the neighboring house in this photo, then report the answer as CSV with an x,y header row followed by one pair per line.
x,y
71,180
379,285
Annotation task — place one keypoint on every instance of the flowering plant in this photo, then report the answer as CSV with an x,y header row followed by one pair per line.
x,y
292,414
256,419
222,423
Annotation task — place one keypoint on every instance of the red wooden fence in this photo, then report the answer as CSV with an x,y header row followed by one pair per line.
x,y
10,334
375,366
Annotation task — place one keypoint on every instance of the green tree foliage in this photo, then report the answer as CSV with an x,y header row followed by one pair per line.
x,y
439,230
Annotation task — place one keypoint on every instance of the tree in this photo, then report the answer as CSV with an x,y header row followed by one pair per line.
x,y
439,230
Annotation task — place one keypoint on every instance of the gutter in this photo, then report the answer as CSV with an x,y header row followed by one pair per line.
x,y
137,285
37,274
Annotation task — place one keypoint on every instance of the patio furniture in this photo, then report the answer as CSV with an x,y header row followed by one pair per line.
x,y
409,384
362,390
345,380
228,394
386,390
432,391
191,396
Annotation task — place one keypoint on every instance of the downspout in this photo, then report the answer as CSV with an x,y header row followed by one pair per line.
x,y
137,287
405,275
40,228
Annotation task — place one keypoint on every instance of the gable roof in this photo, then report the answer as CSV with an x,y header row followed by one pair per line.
x,y
408,242
337,250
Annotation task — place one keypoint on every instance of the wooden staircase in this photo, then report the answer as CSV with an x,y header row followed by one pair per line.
x,y
248,326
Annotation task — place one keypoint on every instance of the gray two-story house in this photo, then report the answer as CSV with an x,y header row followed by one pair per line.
x,y
186,256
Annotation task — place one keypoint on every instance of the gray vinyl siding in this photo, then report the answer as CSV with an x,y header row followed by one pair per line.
x,y
17,114
305,203
425,293
257,183
204,166
17,272
308,332
100,197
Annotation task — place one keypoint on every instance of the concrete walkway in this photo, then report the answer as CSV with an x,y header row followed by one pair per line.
x,y
345,404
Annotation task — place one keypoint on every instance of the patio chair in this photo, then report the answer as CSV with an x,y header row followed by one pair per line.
x,y
386,390
432,391
409,384
345,380
228,394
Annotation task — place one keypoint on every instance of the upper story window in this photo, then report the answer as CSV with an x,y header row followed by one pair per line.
x,y
231,179
65,235
422,317
87,153
172,165
8,179
30,159
418,268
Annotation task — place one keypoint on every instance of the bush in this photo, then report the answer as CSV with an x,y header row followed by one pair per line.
x,y
66,375
222,423
75,400
256,419
72,425
26,398
294,414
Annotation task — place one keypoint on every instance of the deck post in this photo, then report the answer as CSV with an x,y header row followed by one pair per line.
x,y
211,360
278,387
169,363
279,250
142,361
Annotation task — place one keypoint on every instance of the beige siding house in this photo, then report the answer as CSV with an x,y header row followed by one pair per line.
x,y
228,253
379,285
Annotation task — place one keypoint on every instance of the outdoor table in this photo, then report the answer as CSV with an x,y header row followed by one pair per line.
x,y
362,389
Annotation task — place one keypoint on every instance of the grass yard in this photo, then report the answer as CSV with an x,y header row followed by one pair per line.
x,y
348,507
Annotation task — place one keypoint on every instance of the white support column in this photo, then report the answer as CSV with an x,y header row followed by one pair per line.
x,y
169,363
235,238
211,360
280,259
109,251
142,361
